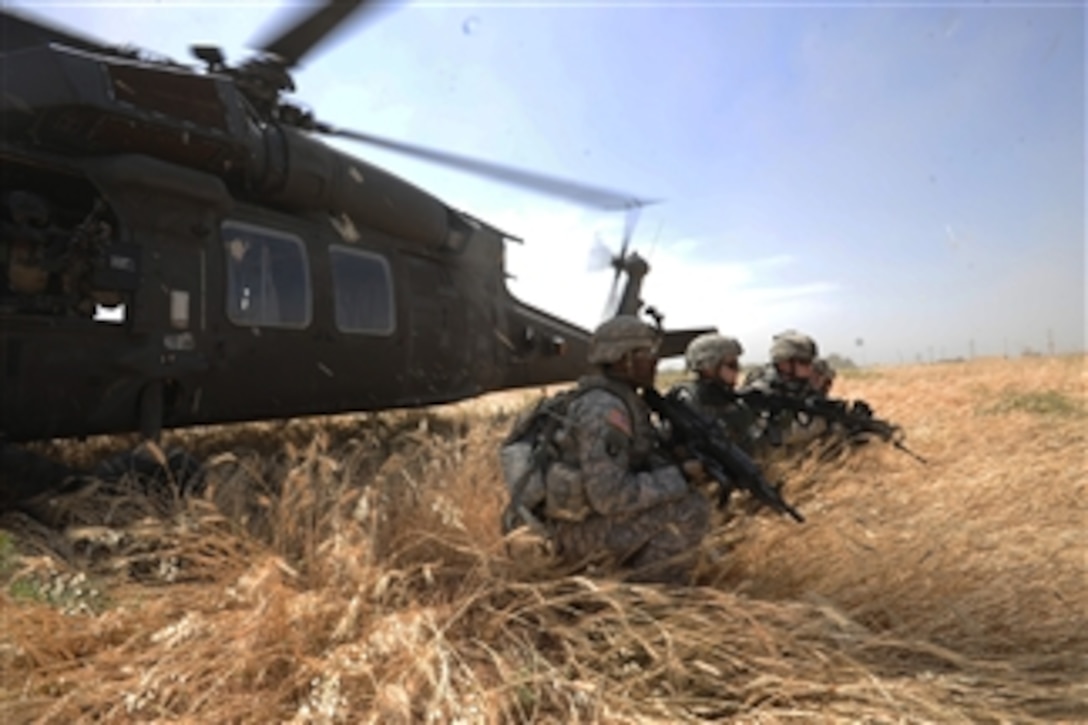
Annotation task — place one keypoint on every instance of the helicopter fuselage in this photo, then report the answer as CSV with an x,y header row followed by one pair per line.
x,y
170,259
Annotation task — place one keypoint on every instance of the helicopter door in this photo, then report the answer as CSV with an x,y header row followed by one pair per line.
x,y
268,305
364,357
439,343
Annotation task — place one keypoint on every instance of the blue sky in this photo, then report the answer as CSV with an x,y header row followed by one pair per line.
x,y
908,174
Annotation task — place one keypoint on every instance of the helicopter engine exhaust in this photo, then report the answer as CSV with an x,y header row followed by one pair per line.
x,y
304,174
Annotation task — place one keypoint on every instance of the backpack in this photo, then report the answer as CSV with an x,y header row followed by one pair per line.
x,y
525,455
530,449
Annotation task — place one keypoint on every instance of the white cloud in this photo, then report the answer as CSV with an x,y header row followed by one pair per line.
x,y
742,298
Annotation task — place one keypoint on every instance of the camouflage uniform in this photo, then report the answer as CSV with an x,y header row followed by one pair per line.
x,y
613,494
784,426
713,400
785,346
710,395
823,370
767,379
610,496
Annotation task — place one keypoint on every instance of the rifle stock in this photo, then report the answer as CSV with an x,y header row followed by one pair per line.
x,y
722,459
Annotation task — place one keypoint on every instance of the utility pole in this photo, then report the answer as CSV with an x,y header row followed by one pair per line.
x,y
1050,341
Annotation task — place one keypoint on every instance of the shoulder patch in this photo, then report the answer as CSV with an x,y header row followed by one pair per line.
x,y
618,419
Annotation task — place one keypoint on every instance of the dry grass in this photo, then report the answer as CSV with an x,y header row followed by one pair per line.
x,y
350,570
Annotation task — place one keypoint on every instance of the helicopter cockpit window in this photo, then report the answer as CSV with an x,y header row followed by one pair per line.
x,y
268,277
364,291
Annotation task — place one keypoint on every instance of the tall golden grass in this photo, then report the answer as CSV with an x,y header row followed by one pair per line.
x,y
351,570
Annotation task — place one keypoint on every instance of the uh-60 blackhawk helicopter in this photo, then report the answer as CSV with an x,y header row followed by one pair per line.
x,y
261,272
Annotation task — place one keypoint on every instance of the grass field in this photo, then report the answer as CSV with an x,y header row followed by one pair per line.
x,y
351,570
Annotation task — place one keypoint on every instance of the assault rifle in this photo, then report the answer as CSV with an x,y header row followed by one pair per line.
x,y
722,459
856,418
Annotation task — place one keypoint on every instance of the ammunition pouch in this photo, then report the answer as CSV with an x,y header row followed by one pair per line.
x,y
565,494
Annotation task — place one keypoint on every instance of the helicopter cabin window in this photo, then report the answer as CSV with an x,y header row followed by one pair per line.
x,y
268,277
364,291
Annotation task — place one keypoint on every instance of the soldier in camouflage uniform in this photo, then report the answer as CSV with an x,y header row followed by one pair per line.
x,y
715,360
792,355
823,377
788,373
612,496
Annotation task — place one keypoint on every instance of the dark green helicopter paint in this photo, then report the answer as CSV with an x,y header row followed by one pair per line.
x,y
261,273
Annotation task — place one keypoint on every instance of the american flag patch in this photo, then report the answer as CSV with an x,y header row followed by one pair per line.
x,y
618,418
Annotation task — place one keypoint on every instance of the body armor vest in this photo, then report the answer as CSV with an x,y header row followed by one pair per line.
x,y
643,435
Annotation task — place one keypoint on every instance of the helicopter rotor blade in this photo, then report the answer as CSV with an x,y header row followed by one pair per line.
x,y
22,29
570,190
600,256
653,243
619,261
613,300
629,223
298,37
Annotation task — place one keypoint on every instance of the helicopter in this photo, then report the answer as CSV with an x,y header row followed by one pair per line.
x,y
255,271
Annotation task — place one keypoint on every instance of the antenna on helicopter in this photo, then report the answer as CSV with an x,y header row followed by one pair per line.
x,y
211,55
265,77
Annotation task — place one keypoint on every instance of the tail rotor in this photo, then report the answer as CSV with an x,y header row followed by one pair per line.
x,y
631,263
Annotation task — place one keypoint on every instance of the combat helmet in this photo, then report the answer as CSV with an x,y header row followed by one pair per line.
x,y
618,336
792,344
708,350
823,368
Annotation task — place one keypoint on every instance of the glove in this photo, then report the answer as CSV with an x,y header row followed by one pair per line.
x,y
861,409
694,471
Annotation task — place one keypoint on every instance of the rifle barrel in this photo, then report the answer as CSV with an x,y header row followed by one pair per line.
x,y
727,460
